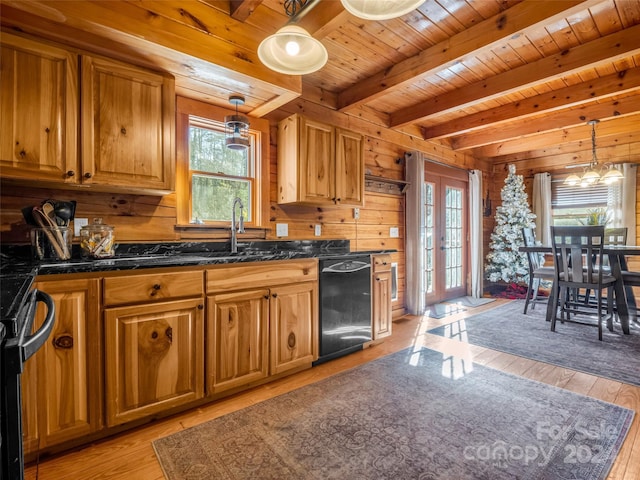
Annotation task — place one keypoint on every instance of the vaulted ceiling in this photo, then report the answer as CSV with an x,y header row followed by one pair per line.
x,y
505,81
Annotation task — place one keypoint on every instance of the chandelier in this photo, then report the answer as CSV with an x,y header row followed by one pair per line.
x,y
592,175
236,127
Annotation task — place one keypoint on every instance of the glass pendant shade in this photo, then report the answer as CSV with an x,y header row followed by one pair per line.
x,y
380,9
590,177
612,175
292,51
572,180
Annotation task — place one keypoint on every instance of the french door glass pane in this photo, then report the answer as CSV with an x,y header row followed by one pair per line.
x,y
429,236
453,237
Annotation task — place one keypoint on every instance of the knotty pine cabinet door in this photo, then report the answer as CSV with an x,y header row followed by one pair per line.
x,y
128,126
38,111
349,168
62,382
293,326
319,164
237,339
381,296
154,358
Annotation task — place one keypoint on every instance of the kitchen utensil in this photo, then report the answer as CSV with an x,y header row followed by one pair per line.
x,y
27,213
64,212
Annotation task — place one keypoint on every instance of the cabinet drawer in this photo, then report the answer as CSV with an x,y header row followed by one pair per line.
x,y
381,263
151,287
261,274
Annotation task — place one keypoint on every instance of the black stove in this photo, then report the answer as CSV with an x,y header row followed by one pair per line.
x,y
17,345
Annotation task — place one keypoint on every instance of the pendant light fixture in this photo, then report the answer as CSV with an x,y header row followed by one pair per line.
x,y
380,9
291,50
236,127
607,174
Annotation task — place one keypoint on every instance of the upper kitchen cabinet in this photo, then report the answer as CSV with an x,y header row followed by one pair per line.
x,y
126,116
128,126
319,164
38,111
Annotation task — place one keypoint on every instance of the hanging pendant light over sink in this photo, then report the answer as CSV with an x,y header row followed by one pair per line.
x,y
236,127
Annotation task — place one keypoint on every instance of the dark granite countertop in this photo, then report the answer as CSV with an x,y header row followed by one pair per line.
x,y
18,271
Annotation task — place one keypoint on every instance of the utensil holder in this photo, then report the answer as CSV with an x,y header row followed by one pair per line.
x,y
51,243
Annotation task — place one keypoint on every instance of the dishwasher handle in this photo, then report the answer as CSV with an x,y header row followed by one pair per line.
x,y
348,266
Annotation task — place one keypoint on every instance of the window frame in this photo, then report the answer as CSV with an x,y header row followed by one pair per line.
x,y
186,108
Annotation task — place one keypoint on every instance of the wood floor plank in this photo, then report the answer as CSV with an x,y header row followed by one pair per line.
x,y
130,455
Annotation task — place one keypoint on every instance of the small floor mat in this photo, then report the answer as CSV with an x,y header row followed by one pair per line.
x,y
469,301
441,310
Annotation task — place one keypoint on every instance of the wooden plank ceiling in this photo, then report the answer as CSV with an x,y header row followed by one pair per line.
x,y
502,80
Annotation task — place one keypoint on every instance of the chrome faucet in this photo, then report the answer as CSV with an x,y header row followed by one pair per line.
x,y
234,237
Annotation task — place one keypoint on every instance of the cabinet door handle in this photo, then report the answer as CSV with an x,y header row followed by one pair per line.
x,y
88,175
274,295
200,306
71,173
266,297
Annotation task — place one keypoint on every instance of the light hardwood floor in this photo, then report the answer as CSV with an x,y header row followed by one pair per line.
x,y
130,455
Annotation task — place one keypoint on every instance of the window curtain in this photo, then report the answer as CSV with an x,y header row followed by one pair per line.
x,y
414,238
541,206
629,201
475,226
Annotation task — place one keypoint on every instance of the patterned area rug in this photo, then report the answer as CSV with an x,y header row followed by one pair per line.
x,y
412,415
573,346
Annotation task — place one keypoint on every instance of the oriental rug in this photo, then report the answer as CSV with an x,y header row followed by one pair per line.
x,y
507,329
416,414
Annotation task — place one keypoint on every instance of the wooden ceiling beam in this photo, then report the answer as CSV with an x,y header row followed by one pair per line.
x,y
518,129
577,150
617,127
582,93
603,50
473,41
240,10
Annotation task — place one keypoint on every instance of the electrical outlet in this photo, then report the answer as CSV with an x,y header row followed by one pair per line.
x,y
318,230
282,229
356,213
78,223
393,232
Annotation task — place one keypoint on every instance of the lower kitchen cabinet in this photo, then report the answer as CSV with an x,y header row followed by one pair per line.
x,y
381,294
269,329
154,358
293,326
62,382
237,339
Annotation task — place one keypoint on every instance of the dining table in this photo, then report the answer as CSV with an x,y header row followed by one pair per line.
x,y
624,296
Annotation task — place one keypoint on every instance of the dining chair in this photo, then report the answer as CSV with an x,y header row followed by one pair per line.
x,y
615,236
537,272
577,260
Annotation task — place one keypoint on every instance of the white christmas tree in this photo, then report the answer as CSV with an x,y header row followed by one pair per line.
x,y
504,261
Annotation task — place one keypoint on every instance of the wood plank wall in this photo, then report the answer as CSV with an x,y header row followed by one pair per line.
x,y
141,218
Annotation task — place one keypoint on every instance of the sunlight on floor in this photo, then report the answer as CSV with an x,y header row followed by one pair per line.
x,y
457,359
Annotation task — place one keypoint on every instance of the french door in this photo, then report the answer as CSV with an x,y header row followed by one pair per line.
x,y
446,238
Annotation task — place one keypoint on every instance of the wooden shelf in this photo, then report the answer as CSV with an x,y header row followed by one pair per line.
x,y
377,184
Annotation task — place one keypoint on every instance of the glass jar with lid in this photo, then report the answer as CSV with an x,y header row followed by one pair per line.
x,y
97,240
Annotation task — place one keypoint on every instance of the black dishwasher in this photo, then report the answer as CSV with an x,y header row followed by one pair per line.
x,y
345,305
